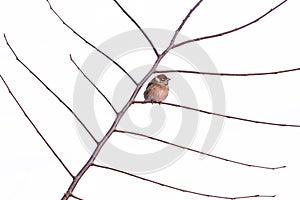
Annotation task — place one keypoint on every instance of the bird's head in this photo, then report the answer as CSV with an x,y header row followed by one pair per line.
x,y
162,79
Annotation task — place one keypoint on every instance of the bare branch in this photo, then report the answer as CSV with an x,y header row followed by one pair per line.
x,y
90,44
196,151
180,189
51,91
143,32
221,115
230,31
228,74
36,129
183,22
93,84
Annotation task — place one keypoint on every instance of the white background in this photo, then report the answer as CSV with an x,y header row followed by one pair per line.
x,y
29,171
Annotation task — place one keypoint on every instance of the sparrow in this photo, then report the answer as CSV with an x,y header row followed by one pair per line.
x,y
157,89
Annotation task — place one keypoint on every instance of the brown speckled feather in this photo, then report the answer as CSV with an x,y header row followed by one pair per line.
x,y
156,92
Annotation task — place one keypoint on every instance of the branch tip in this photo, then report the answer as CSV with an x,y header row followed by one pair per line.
x,y
230,31
35,127
218,114
91,45
229,74
178,188
139,27
196,151
90,81
52,92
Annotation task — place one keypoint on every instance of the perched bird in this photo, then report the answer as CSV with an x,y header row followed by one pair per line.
x,y
157,89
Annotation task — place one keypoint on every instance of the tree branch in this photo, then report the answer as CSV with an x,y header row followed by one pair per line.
x,y
180,189
90,44
196,151
220,115
228,74
143,32
93,85
36,129
230,31
183,22
51,91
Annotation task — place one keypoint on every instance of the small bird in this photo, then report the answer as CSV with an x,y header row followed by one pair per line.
x,y
157,89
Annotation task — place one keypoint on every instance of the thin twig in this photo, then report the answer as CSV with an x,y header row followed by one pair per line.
x,y
228,74
217,114
93,84
180,189
90,44
143,32
72,195
36,129
196,151
230,31
183,22
51,91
